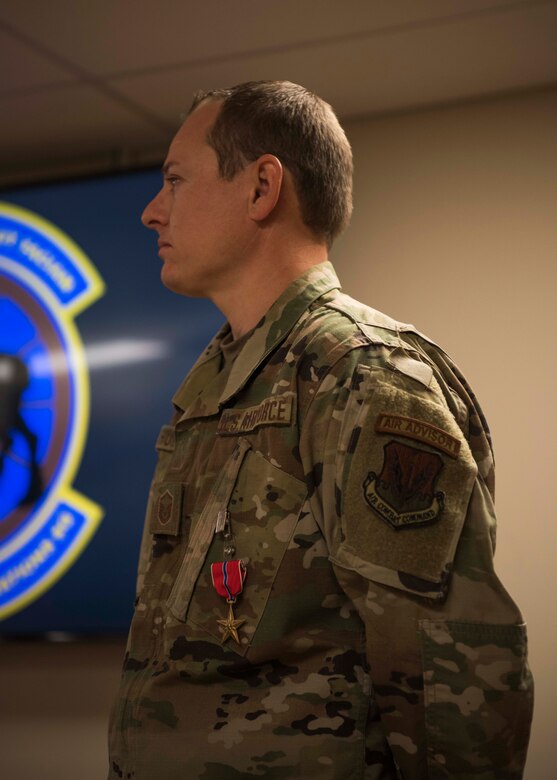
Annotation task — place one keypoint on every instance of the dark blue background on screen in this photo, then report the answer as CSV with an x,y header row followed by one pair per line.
x,y
129,401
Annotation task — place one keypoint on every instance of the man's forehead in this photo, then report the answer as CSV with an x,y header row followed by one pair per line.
x,y
193,132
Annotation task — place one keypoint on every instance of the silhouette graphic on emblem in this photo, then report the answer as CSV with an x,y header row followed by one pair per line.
x,y
14,379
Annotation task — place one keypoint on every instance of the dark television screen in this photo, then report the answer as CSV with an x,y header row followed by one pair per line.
x,y
92,348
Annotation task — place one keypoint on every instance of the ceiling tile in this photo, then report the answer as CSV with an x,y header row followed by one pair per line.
x,y
106,36
138,63
420,67
68,121
22,68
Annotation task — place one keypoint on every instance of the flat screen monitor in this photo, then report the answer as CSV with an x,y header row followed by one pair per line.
x,y
92,348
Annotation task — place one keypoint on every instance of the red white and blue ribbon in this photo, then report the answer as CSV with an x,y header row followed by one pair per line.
x,y
228,579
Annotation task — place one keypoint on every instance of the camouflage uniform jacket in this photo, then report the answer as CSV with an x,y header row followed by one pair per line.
x,y
352,470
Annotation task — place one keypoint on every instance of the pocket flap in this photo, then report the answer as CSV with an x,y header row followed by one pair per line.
x,y
203,532
166,439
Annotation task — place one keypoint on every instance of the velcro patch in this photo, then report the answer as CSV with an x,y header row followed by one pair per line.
x,y
411,428
166,508
391,483
276,410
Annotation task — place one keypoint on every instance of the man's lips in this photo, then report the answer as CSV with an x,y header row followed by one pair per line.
x,y
162,244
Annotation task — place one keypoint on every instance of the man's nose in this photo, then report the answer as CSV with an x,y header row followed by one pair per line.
x,y
155,213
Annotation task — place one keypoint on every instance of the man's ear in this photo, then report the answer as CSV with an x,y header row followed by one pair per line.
x,y
266,186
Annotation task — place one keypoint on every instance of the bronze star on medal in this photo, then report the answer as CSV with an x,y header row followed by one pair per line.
x,y
230,627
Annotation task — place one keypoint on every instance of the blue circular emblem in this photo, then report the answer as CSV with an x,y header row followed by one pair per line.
x,y
45,281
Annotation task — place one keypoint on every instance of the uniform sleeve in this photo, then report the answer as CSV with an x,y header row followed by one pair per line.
x,y
409,524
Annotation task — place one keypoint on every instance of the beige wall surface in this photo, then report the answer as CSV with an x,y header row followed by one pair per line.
x,y
455,231
54,703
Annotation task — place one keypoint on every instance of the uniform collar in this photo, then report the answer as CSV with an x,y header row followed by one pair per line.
x,y
267,335
278,322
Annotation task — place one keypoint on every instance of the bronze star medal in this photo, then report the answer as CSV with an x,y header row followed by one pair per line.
x,y
228,580
230,626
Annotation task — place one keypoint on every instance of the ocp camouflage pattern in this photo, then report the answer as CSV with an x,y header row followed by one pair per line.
x,y
377,641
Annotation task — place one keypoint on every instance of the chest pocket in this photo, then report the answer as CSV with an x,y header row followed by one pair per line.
x,y
263,503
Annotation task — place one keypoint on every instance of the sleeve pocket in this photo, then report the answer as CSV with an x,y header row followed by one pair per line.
x,y
478,698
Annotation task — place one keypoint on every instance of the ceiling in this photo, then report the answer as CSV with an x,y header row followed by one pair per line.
x,y
99,85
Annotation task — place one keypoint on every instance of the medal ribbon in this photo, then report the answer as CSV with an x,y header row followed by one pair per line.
x,y
228,579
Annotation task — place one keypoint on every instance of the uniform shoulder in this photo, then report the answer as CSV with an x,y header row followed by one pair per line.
x,y
339,336
347,334
365,317
337,324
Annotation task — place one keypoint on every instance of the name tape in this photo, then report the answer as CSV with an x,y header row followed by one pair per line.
x,y
276,410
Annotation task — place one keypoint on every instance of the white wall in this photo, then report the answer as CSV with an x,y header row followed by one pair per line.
x,y
454,230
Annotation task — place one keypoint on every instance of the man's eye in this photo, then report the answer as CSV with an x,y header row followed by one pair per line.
x,y
172,180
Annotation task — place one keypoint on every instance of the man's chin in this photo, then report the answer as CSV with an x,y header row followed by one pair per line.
x,y
178,285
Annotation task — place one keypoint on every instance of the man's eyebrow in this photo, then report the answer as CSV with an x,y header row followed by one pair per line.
x,y
168,165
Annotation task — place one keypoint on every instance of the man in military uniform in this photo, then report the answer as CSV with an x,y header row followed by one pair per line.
x,y
316,594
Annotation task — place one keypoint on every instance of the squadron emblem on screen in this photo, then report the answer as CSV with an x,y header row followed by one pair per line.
x,y
45,282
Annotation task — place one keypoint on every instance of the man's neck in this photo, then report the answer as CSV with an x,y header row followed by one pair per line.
x,y
250,294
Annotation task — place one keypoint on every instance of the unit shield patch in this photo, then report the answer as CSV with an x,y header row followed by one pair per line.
x,y
404,493
45,282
